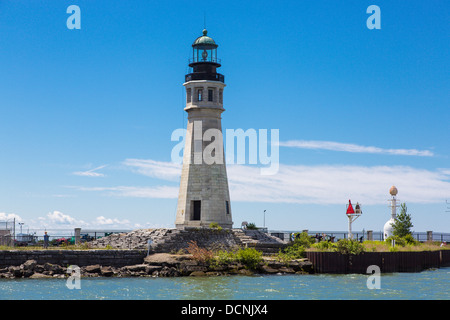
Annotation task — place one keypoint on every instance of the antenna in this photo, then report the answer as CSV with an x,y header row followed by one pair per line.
x,y
204,19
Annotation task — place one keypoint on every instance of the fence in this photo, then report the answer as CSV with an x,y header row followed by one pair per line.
x,y
24,240
362,235
7,232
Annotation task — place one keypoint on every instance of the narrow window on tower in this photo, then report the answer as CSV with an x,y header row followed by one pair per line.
x,y
227,205
196,209
200,95
188,95
210,95
220,96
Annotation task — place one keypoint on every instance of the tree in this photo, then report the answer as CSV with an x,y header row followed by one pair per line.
x,y
402,225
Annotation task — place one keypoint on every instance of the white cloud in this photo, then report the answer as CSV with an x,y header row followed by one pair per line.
x,y
348,147
155,169
158,192
337,184
321,184
10,217
90,173
57,218
101,220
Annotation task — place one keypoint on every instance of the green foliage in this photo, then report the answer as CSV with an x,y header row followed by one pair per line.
x,y
250,257
225,257
215,225
402,225
252,226
303,239
402,241
409,239
324,246
346,246
295,251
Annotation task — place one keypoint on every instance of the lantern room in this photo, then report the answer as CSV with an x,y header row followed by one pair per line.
x,y
204,49
204,61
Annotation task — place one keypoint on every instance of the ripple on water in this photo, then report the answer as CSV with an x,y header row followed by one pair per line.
x,y
430,284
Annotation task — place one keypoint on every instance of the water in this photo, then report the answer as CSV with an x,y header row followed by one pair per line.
x,y
428,285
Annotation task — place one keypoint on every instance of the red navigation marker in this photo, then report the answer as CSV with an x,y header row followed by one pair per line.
x,y
350,208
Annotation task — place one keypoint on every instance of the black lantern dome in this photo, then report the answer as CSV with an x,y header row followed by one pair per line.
x,y
204,61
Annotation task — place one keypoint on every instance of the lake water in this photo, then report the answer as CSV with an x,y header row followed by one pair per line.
x,y
430,284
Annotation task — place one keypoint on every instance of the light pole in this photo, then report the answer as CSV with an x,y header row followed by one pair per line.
x,y
21,234
264,218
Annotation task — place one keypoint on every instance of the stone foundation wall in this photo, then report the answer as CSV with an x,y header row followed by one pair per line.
x,y
173,240
116,258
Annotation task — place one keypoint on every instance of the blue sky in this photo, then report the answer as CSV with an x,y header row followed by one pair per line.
x,y
86,115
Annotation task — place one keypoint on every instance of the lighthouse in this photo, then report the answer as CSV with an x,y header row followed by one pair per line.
x,y
204,194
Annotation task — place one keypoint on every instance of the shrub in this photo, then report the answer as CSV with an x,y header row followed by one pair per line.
x,y
304,239
252,226
346,246
225,257
215,225
249,257
399,241
296,251
292,252
323,245
409,239
199,254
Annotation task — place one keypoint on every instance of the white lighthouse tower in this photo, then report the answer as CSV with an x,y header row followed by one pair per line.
x,y
204,195
388,230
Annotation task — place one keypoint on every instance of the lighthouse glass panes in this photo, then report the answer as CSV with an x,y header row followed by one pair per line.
x,y
204,54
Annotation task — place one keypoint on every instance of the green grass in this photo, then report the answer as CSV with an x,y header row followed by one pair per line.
x,y
382,246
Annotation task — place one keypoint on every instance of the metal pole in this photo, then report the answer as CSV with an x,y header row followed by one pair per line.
x,y
264,218
14,230
350,236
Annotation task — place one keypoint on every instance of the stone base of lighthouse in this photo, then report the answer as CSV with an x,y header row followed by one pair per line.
x,y
203,197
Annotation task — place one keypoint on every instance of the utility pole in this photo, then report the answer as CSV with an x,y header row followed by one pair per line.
x,y
264,219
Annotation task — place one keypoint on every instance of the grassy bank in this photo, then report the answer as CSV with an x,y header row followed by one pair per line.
x,y
303,243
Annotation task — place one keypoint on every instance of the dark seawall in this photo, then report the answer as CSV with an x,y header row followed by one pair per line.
x,y
116,258
412,261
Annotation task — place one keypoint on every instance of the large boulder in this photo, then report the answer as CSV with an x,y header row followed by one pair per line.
x,y
39,276
107,271
29,264
96,268
17,272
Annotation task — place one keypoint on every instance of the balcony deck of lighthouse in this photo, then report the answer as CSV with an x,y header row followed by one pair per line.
x,y
204,194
